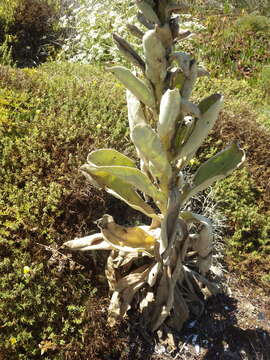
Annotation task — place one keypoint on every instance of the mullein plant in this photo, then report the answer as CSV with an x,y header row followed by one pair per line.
x,y
159,269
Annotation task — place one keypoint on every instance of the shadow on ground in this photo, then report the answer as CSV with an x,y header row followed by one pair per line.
x,y
215,336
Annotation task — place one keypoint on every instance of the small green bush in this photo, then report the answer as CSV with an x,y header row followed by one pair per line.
x,y
46,118
253,23
245,214
37,307
260,6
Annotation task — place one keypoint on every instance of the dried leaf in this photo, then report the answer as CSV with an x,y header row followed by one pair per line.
x,y
91,242
125,290
128,239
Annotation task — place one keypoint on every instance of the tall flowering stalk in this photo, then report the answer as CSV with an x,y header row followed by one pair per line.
x,y
162,266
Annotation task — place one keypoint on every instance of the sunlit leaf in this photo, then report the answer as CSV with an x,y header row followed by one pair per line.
x,y
91,242
209,109
169,113
216,168
128,239
148,143
134,84
114,184
109,176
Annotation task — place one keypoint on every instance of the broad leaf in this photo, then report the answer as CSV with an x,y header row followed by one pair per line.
x,y
135,112
209,109
216,168
169,113
128,239
110,157
148,11
135,85
149,145
132,176
155,59
219,166
113,184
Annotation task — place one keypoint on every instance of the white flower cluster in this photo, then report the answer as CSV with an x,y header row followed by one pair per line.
x,y
189,22
92,23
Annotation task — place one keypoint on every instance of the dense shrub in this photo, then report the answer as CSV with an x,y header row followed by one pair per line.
x,y
260,6
48,124
30,31
264,80
253,23
245,213
40,313
49,119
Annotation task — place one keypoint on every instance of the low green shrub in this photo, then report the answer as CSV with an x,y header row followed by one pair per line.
x,y
49,119
48,123
246,215
253,23
234,45
260,6
40,312
264,80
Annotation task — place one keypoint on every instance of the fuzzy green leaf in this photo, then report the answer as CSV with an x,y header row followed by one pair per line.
x,y
209,109
135,112
216,168
148,11
169,113
219,166
155,58
111,157
116,177
114,184
133,84
149,145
